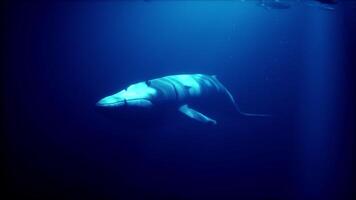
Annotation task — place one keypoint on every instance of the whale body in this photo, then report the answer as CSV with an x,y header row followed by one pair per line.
x,y
182,93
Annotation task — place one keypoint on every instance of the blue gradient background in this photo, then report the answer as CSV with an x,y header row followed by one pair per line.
x,y
295,64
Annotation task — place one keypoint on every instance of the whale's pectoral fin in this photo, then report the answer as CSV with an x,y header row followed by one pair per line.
x,y
195,114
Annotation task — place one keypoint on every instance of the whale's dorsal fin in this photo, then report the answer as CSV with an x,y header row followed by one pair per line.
x,y
195,114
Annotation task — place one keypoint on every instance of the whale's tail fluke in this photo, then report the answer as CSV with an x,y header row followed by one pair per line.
x,y
252,114
235,104
244,113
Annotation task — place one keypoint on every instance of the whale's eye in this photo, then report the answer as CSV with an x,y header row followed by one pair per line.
x,y
148,82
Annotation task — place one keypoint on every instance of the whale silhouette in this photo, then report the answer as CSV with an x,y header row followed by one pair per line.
x,y
182,93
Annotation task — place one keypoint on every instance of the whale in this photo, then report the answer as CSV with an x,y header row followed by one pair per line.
x,y
188,94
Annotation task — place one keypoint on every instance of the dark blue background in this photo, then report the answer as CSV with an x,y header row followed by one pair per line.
x,y
296,64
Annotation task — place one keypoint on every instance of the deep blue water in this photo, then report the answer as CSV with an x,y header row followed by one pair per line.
x,y
295,64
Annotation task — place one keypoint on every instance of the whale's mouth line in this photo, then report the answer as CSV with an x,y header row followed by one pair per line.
x,y
119,102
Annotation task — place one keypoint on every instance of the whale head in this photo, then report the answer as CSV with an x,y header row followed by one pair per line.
x,y
136,97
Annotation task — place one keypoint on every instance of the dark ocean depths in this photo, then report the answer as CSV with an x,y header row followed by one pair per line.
x,y
294,62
